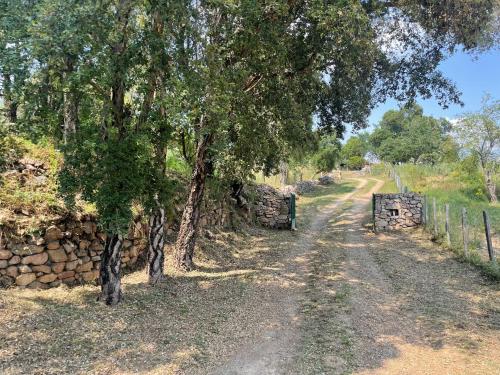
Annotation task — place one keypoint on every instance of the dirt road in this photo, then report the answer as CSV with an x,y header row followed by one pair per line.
x,y
343,300
331,298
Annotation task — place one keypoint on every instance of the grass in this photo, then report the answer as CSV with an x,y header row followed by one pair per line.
x,y
294,176
164,330
447,186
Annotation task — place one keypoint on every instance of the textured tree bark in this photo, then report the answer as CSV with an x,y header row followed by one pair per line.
x,y
70,110
156,256
111,293
70,104
9,101
491,187
283,173
184,247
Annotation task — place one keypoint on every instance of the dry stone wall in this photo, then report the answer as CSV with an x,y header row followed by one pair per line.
x,y
272,208
397,211
68,252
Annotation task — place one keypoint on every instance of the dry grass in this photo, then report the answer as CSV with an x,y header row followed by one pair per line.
x,y
345,307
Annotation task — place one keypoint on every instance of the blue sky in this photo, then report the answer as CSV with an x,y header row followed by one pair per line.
x,y
473,76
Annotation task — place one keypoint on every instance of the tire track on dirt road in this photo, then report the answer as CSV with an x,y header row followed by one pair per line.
x,y
274,349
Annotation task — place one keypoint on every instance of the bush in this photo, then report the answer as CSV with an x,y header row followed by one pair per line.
x,y
355,162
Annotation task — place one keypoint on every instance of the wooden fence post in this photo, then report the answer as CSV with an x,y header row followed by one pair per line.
x,y
426,211
491,251
465,232
435,217
447,224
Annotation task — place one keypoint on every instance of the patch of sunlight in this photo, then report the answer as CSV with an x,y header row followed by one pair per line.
x,y
417,359
224,274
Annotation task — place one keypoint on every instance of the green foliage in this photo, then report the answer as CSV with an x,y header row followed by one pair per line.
x,y
406,135
355,162
479,133
327,156
354,150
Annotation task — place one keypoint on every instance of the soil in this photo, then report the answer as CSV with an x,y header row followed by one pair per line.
x,y
330,298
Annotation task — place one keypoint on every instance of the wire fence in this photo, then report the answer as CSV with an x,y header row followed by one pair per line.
x,y
471,230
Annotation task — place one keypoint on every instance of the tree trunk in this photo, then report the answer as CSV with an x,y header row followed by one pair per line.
x,y
283,173
111,292
9,101
184,247
491,187
70,103
70,115
156,236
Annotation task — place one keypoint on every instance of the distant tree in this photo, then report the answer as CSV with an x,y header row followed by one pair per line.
x,y
406,135
479,134
354,150
355,162
328,154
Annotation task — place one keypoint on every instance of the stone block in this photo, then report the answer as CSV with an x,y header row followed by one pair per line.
x,y
53,233
25,279
42,268
48,278
58,255
36,259
5,254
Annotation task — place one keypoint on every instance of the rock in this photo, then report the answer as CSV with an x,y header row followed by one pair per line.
x,y
68,280
304,187
66,275
5,254
55,284
58,255
43,268
58,267
37,285
69,247
70,266
53,233
84,244
46,279
72,256
24,268
40,241
326,180
96,246
16,259
85,267
6,281
89,276
3,264
36,259
88,227
12,271
25,279
24,249
53,245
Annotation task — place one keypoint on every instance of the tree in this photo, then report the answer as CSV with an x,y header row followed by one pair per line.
x,y
353,152
335,60
406,135
479,134
327,156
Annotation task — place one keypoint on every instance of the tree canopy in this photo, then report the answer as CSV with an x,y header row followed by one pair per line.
x,y
407,135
